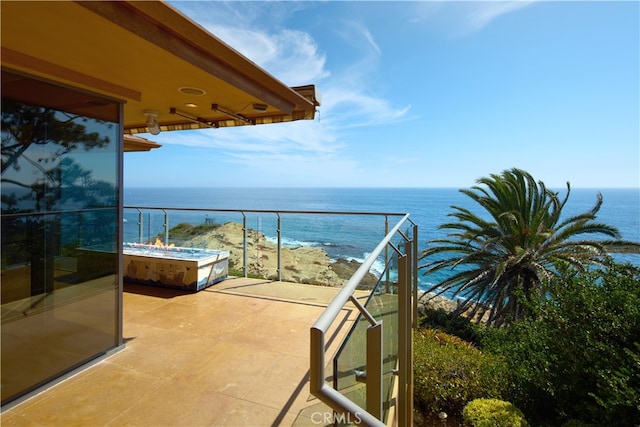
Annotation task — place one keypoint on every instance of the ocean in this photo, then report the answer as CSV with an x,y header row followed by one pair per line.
x,y
345,236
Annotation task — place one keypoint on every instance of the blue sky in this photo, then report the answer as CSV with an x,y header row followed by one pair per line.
x,y
423,94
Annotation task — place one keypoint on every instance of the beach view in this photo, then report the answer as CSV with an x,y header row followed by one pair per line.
x,y
321,240
270,213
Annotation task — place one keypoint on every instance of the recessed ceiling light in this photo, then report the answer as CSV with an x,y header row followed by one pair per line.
x,y
192,91
191,105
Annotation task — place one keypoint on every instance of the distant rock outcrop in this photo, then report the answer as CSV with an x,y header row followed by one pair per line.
x,y
302,264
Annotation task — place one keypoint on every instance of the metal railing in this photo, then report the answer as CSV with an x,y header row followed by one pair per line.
x,y
372,415
244,213
405,288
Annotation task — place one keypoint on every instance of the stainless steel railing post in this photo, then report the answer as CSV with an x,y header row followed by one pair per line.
x,y
407,288
374,370
244,244
386,256
140,226
318,386
279,231
373,362
414,269
166,227
404,399
411,317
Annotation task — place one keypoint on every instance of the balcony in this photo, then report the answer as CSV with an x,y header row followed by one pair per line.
x,y
238,352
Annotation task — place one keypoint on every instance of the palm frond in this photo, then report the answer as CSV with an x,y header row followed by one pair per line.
x,y
512,255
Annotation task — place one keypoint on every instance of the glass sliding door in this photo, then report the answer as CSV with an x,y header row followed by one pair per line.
x,y
61,161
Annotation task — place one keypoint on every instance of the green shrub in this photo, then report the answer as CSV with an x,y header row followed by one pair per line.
x,y
449,372
493,413
450,323
184,231
579,358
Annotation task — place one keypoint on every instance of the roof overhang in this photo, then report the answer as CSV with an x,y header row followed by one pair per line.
x,y
137,143
150,56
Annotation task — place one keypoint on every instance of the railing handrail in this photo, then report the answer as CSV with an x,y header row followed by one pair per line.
x,y
318,386
333,309
278,213
270,211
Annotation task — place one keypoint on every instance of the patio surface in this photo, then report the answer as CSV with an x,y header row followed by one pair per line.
x,y
234,354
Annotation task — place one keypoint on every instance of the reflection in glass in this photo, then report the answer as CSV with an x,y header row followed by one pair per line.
x,y
350,359
60,227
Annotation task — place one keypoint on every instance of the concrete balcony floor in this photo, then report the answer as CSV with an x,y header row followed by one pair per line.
x,y
234,354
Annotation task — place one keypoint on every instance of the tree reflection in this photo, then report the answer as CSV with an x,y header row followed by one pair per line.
x,y
51,203
35,142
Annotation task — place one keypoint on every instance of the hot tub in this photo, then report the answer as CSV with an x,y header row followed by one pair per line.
x,y
174,267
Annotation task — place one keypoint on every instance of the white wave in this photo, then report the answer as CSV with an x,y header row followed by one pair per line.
x,y
291,243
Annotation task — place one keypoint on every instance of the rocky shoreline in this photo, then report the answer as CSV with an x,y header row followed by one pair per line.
x,y
301,264
431,301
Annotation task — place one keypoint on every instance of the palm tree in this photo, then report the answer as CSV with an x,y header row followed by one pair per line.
x,y
502,262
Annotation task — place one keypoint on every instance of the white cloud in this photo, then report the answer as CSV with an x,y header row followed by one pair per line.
x,y
483,12
461,18
348,96
355,33
301,136
349,108
291,56
369,37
